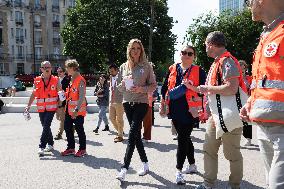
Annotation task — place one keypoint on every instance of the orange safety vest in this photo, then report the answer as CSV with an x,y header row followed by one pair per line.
x,y
72,97
194,101
218,68
267,88
46,95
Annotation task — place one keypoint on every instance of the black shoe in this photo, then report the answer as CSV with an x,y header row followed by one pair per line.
x,y
106,128
96,130
58,137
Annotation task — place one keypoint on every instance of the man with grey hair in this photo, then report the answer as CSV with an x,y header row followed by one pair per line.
x,y
46,88
223,80
265,107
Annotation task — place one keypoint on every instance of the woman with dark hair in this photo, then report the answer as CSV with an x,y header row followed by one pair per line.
x,y
102,92
183,106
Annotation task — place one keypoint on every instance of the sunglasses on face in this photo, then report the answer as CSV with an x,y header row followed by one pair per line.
x,y
45,68
187,53
59,71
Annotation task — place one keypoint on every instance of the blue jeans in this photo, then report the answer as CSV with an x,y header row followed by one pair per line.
x,y
102,115
46,135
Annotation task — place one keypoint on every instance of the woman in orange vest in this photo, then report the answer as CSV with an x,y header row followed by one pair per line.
x,y
183,106
46,87
75,110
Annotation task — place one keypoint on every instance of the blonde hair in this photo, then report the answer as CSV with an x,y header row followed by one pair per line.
x,y
142,57
72,63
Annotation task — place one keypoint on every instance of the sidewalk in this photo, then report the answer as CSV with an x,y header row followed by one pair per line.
x,y
22,168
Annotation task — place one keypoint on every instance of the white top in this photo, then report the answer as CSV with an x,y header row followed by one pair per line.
x,y
113,82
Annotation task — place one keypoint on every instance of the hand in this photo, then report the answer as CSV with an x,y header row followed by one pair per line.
x,y
202,89
136,89
188,84
203,116
74,115
27,109
244,112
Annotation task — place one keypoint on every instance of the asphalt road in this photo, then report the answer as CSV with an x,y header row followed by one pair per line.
x,y
20,166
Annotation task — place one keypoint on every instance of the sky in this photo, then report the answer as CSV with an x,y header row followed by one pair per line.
x,y
184,11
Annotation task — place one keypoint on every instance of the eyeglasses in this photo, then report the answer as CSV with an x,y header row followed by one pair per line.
x,y
45,68
187,53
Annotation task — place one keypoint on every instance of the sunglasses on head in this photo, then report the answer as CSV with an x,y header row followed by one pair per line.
x,y
187,53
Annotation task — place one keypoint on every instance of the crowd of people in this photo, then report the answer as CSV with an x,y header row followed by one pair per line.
x,y
225,98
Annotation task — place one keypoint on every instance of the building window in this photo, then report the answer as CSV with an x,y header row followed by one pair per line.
x,y
37,3
38,53
20,68
2,69
71,3
1,40
20,52
19,35
12,32
13,50
55,3
38,39
55,18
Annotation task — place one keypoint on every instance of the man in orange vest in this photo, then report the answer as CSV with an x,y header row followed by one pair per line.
x,y
223,80
265,107
46,88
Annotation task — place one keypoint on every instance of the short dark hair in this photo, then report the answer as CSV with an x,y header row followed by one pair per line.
x,y
113,66
216,38
191,47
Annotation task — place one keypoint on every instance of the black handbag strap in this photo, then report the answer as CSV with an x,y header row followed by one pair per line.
x,y
219,105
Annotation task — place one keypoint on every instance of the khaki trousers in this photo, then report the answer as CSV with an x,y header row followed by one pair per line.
x,y
116,111
231,149
60,115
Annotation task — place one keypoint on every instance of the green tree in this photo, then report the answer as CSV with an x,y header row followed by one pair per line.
x,y
98,31
241,32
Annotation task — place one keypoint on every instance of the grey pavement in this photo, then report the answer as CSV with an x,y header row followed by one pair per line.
x,y
20,166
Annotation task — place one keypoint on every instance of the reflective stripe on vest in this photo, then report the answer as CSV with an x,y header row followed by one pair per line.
x,y
273,84
267,111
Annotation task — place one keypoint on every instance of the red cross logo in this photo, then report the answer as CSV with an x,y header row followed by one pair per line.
x,y
271,49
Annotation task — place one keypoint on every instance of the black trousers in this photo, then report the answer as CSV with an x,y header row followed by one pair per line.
x,y
247,131
46,135
68,127
135,114
185,145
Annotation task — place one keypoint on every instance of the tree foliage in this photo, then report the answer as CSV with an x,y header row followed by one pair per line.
x,y
97,31
241,32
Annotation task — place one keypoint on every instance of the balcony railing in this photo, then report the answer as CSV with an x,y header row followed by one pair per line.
x,y
38,41
18,4
40,7
56,24
20,56
37,24
19,39
56,41
50,57
19,22
55,8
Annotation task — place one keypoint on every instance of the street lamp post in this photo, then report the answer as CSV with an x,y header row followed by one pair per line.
x,y
33,44
151,31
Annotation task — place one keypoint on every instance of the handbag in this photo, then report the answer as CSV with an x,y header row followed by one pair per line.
x,y
225,110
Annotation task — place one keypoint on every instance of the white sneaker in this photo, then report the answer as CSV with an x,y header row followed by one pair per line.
x,y
190,169
175,137
121,175
145,141
48,148
248,143
144,170
40,152
179,178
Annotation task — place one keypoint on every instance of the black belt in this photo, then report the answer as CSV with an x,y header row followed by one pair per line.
x,y
133,103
